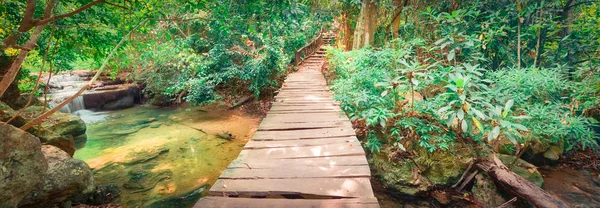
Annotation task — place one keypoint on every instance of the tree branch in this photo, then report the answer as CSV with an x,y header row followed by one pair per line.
x,y
84,7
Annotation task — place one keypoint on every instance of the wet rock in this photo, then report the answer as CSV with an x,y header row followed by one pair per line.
x,y
226,135
523,168
103,194
125,102
155,125
24,98
143,180
22,164
58,131
185,200
65,179
124,129
161,100
440,168
543,154
64,124
100,97
144,155
485,191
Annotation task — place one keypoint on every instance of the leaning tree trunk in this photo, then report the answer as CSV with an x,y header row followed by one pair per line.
x,y
519,185
366,25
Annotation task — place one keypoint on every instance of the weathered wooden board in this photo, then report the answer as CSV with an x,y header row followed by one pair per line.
x,y
253,144
273,126
252,163
292,172
304,134
330,187
328,150
228,202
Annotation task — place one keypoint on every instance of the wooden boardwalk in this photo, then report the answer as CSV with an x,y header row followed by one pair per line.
x,y
304,154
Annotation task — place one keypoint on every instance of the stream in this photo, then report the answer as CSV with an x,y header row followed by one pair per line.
x,y
154,154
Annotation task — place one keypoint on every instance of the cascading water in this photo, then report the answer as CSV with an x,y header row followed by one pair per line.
x,y
64,86
75,105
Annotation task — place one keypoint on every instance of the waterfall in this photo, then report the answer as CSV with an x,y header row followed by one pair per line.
x,y
73,106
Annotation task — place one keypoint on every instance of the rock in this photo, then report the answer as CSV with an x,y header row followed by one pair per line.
x,y
142,180
144,155
100,97
64,124
185,200
226,135
104,194
155,125
543,153
161,100
524,169
6,113
22,164
485,191
65,179
440,168
24,98
125,102
58,131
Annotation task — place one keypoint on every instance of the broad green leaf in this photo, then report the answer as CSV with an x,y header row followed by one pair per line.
x,y
451,55
495,132
464,126
509,104
460,114
520,127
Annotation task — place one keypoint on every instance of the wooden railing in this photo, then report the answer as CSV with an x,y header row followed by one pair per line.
x,y
309,49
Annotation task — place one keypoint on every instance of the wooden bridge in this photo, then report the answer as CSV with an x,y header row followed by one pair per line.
x,y
304,154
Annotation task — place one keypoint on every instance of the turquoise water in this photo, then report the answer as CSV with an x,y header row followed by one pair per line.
x,y
157,153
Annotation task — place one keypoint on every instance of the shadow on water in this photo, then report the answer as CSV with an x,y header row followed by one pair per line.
x,y
163,155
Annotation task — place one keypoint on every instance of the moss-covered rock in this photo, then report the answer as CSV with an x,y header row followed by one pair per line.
x,y
539,153
440,168
523,168
58,131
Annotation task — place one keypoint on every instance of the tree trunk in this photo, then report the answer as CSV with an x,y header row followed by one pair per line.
x,y
397,17
519,185
364,34
345,34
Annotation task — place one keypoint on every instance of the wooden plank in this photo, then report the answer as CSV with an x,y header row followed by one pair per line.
x,y
302,118
304,107
328,150
304,134
244,162
292,172
303,111
327,187
272,126
229,202
300,143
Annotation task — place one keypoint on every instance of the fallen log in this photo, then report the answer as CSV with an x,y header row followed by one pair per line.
x,y
518,185
241,102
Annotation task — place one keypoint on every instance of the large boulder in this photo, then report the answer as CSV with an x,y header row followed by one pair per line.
x,y
65,124
66,179
439,168
22,164
101,97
